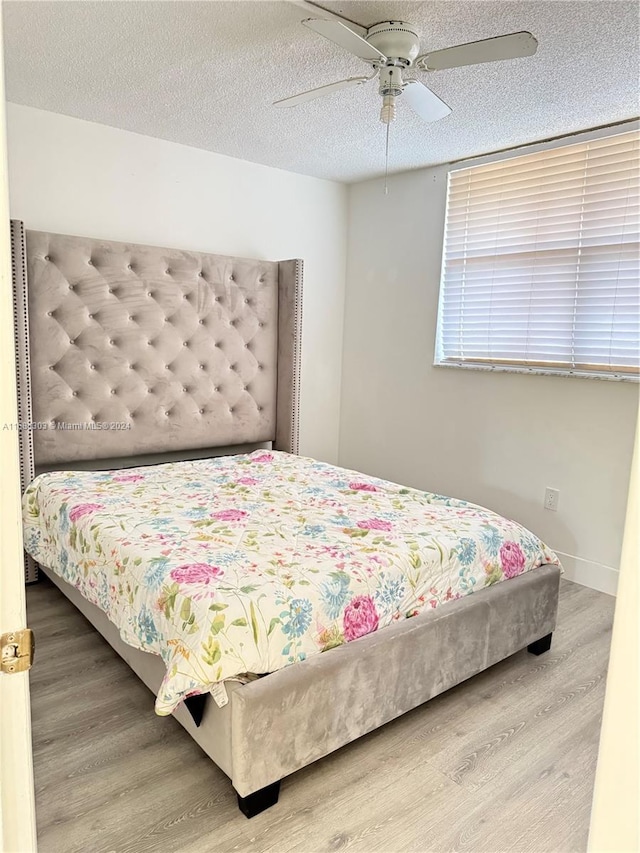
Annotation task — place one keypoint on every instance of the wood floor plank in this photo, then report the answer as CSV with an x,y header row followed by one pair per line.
x,y
532,809
478,757
505,761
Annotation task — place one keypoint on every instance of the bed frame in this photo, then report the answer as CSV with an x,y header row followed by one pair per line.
x,y
199,355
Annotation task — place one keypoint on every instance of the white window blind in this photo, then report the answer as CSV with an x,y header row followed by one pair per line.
x,y
541,261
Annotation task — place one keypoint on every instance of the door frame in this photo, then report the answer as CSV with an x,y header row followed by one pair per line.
x,y
17,800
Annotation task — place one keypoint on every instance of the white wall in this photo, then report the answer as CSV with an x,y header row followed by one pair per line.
x,y
495,439
76,177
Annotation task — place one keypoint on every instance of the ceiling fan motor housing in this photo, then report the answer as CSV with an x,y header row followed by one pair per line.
x,y
399,41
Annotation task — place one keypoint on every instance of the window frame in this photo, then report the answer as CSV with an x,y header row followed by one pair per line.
x,y
545,368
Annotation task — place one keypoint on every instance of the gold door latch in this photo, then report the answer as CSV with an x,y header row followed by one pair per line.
x,y
17,650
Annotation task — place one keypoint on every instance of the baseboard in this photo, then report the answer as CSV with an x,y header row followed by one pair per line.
x,y
587,573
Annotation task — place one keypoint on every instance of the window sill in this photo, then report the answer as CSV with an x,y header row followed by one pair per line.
x,y
540,371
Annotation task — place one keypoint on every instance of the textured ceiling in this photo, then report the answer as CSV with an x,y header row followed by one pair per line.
x,y
205,73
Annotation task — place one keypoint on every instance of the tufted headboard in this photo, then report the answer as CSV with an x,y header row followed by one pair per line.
x,y
126,350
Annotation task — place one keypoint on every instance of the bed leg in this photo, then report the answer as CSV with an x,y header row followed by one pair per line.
x,y
260,800
540,646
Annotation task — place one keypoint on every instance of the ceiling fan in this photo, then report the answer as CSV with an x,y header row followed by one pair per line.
x,y
392,48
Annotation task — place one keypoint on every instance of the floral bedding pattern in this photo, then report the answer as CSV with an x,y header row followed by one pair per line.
x,y
245,564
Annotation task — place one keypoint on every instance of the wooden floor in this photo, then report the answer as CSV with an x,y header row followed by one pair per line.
x,y
503,762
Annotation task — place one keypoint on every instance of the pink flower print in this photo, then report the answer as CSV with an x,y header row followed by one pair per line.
x,y
193,573
263,457
247,481
360,617
128,478
512,559
83,509
375,524
229,514
362,487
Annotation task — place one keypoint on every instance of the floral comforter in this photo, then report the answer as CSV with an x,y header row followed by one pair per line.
x,y
245,564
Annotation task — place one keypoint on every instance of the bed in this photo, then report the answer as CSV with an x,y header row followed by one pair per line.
x,y
279,607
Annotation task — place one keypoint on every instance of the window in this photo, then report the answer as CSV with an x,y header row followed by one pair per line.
x,y
541,262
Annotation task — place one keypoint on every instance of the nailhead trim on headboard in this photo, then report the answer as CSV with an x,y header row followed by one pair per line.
x,y
23,376
289,356
297,361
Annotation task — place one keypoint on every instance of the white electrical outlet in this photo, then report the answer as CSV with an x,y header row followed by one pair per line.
x,y
551,498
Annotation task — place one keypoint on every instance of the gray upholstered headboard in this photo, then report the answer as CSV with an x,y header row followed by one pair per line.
x,y
125,350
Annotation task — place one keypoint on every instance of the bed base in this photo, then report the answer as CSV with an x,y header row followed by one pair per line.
x,y
318,705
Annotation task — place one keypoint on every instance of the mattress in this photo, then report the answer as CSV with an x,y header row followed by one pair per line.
x,y
246,564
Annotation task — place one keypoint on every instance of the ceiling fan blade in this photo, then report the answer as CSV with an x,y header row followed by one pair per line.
x,y
311,94
424,102
344,37
512,46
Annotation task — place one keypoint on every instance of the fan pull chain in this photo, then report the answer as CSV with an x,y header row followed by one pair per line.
x,y
386,162
387,115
